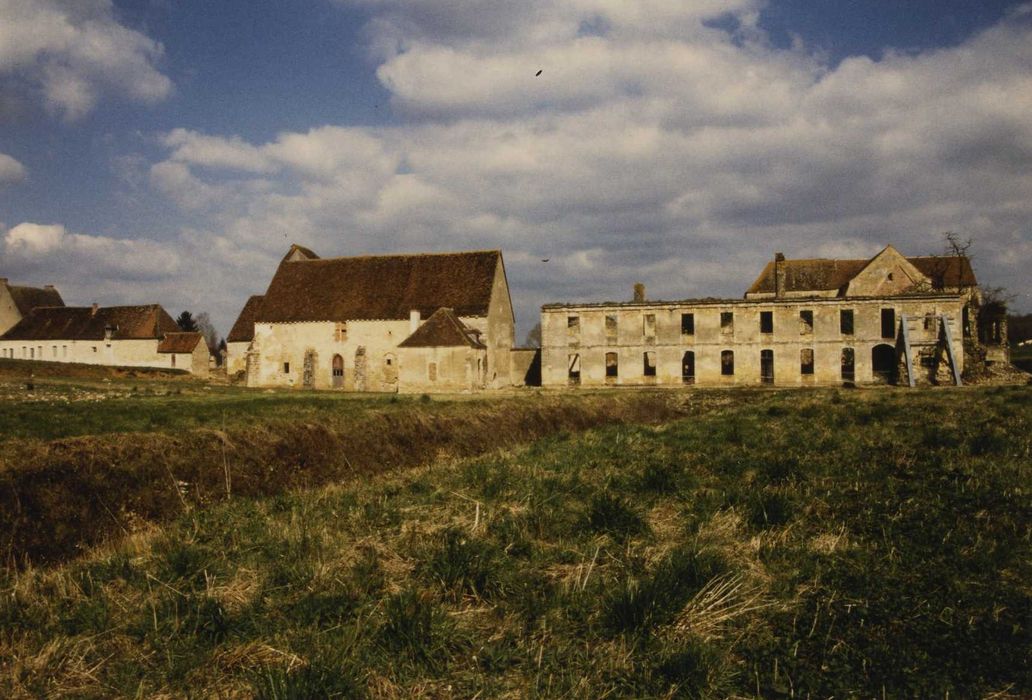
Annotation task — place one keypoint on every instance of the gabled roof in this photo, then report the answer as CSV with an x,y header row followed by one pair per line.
x,y
822,274
28,298
85,323
442,330
243,330
184,341
380,287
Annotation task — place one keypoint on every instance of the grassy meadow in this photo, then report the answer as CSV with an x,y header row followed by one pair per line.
x,y
819,544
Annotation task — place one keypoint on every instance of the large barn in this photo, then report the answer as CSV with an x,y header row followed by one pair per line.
x,y
380,323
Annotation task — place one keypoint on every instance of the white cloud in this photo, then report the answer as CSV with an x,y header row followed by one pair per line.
x,y
652,148
74,50
10,169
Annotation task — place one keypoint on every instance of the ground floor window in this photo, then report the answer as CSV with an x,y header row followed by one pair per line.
x,y
649,362
806,361
727,362
431,371
688,367
848,365
286,368
612,364
767,366
573,368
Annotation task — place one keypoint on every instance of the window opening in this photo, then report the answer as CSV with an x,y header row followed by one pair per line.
x,y
806,361
687,324
649,359
727,362
846,321
766,322
806,321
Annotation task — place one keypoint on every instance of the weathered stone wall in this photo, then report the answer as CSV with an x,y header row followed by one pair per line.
x,y
634,337
9,314
454,369
236,357
526,366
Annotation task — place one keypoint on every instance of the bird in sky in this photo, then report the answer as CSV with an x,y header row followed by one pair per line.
x,y
545,259
539,72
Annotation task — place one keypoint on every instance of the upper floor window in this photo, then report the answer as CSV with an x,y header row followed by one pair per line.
x,y
806,321
648,326
340,332
611,327
766,322
286,368
727,322
687,324
846,321
888,323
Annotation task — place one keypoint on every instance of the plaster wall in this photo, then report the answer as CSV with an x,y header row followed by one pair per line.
x,y
122,353
455,369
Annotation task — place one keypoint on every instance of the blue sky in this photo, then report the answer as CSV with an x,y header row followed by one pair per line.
x,y
170,151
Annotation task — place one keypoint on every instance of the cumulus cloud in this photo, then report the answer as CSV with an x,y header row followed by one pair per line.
x,y
653,146
52,249
71,51
10,169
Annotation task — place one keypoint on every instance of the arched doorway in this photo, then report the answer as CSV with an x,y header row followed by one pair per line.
x,y
338,371
883,363
688,367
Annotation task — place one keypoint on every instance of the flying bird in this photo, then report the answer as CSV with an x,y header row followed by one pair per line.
x,y
539,72
545,259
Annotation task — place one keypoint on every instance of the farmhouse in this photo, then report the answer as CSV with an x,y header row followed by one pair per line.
x,y
407,323
129,336
16,302
240,337
802,322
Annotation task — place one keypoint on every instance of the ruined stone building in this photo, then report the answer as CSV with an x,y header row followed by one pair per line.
x,y
408,323
802,322
16,302
124,336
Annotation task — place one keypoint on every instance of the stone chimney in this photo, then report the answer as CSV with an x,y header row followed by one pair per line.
x,y
413,320
779,275
639,292
48,286
3,280
93,310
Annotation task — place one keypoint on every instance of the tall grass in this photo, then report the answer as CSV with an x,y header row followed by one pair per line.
x,y
873,545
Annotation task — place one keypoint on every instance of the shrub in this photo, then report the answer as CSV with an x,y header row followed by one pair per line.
x,y
610,514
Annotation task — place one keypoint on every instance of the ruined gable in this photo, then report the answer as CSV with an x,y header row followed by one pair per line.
x,y
888,273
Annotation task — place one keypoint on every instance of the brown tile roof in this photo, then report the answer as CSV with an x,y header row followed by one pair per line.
x,y
380,287
180,342
442,330
82,323
28,298
243,329
821,274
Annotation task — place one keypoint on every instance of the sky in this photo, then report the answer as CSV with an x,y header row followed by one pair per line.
x,y
171,151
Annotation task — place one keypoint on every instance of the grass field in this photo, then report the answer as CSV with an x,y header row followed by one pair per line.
x,y
768,544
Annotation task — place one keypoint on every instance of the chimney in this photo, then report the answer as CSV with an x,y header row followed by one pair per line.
x,y
48,287
639,292
3,281
93,310
413,320
779,275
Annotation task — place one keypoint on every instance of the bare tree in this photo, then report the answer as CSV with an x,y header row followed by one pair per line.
x,y
206,328
533,339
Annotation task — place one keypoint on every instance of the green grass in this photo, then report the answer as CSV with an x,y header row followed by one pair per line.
x,y
841,543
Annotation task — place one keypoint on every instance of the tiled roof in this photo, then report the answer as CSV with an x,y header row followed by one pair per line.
x,y
442,330
28,298
820,274
380,287
180,342
243,330
83,323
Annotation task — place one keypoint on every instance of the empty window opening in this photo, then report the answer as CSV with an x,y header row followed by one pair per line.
x,y
573,324
340,332
648,327
888,323
927,358
431,371
573,368
806,361
687,324
846,321
883,362
286,368
612,364
611,327
173,359
806,321
767,366
649,360
688,367
727,322
848,365
929,322
727,362
966,321
766,322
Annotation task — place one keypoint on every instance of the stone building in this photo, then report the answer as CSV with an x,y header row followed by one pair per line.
x,y
16,302
240,337
343,323
186,350
126,336
802,322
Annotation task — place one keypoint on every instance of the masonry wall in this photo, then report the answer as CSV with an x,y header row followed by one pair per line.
x,y
634,336
500,332
236,357
445,369
123,353
9,314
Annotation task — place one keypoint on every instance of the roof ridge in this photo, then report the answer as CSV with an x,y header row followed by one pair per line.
x,y
397,255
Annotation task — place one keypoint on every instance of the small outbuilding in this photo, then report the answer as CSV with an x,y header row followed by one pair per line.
x,y
443,354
